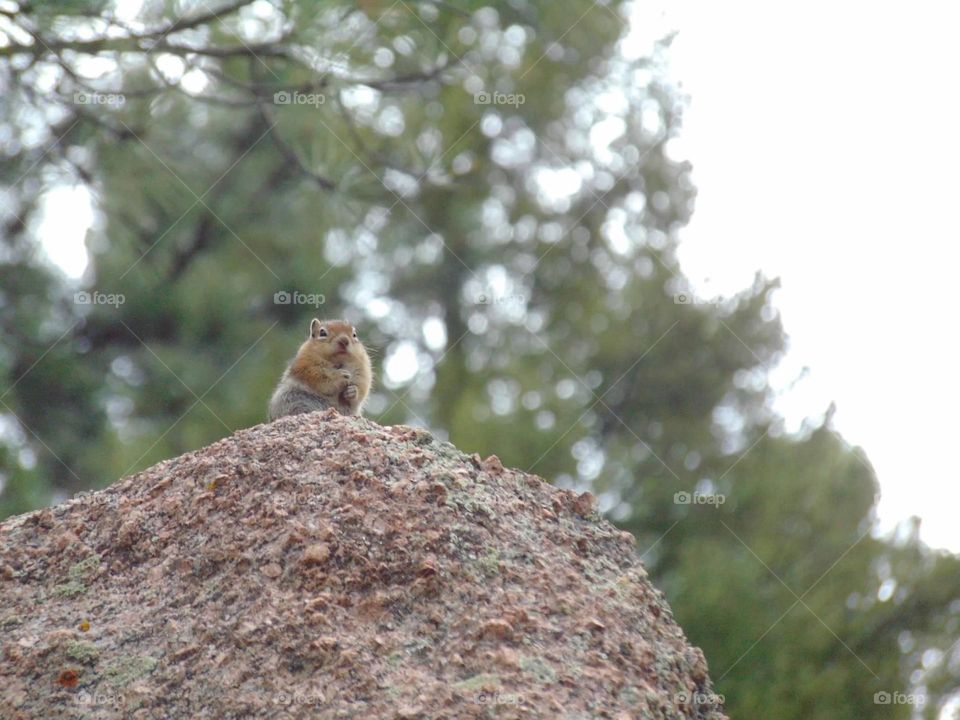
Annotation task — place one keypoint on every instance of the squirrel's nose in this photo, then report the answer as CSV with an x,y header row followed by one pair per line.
x,y
343,341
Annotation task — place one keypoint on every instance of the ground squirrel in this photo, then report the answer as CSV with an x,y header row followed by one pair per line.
x,y
331,370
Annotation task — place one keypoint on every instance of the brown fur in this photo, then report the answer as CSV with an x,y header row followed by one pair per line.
x,y
336,368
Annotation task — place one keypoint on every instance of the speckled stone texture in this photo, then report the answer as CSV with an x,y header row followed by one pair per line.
x,y
327,567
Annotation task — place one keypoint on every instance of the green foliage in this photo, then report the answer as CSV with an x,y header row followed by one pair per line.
x,y
545,325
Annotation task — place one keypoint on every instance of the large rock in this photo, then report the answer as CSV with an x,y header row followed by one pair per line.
x,y
327,567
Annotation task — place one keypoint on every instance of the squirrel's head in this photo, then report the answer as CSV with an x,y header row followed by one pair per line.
x,y
332,345
332,338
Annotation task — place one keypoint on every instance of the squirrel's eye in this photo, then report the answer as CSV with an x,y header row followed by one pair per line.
x,y
323,332
354,334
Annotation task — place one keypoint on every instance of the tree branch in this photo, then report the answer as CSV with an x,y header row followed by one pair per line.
x,y
203,18
132,45
289,153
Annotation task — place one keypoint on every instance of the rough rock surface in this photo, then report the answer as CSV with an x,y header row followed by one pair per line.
x,y
328,567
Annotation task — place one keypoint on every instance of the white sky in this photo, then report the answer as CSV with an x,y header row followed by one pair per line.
x,y
825,139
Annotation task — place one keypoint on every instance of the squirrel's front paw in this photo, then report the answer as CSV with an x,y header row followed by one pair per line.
x,y
350,394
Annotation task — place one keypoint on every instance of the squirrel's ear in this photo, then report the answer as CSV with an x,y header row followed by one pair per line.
x,y
314,328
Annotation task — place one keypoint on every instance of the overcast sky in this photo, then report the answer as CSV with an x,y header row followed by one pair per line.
x,y
824,139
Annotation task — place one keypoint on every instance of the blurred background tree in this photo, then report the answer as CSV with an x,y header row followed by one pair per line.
x,y
489,193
